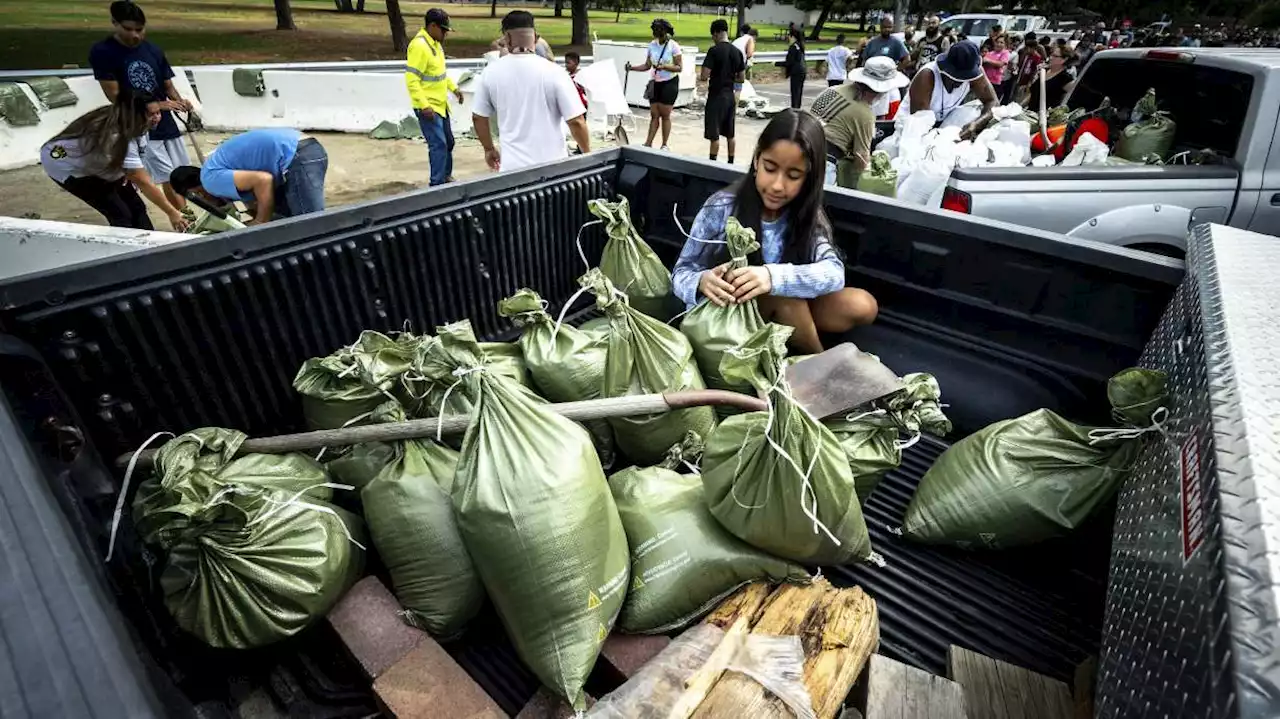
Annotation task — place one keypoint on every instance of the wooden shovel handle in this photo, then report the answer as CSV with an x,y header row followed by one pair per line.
x,y
457,423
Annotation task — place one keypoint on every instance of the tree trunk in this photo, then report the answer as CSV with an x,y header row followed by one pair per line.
x,y
822,19
581,23
617,18
899,14
862,20
398,37
559,8
284,16
742,17
493,8
359,5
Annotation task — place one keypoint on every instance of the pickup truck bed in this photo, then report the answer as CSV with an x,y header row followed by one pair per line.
x,y
97,357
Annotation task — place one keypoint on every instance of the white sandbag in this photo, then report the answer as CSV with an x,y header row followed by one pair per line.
x,y
1044,161
890,145
1005,154
925,183
1089,150
971,154
1006,112
988,136
962,116
1018,134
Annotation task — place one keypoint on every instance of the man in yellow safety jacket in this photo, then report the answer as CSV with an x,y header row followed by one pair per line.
x,y
429,88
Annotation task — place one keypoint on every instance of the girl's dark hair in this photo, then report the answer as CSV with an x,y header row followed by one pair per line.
x,y
107,131
805,217
798,36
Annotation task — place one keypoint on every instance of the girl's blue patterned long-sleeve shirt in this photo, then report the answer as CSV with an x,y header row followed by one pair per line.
x,y
821,277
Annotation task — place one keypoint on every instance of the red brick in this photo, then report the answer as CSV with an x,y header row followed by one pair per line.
x,y
428,684
626,653
368,621
547,705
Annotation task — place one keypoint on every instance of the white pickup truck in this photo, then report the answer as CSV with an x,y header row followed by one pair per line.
x,y
1224,99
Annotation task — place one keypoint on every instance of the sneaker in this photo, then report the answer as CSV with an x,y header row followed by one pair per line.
x,y
666,149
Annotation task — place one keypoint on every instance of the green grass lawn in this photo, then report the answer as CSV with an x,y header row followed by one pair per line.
x,y
57,33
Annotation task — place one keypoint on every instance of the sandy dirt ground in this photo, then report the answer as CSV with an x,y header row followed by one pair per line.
x,y
361,168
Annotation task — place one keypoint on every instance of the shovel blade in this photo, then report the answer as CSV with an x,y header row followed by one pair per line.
x,y
620,135
840,379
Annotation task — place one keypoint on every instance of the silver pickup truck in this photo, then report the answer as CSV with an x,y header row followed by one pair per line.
x,y
1225,99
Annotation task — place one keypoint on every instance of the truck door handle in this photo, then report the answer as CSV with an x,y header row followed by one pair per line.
x,y
1275,199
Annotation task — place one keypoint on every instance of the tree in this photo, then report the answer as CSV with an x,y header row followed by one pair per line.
x,y
394,17
493,8
559,8
284,16
742,17
581,23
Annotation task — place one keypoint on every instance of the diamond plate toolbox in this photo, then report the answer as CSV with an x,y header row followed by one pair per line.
x,y
1191,619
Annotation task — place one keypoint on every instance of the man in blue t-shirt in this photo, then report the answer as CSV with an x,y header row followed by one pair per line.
x,y
279,170
885,45
126,59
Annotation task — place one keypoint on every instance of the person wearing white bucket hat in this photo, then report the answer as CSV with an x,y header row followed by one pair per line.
x,y
849,122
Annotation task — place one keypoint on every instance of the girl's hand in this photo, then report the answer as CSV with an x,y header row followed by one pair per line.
x,y
750,282
712,285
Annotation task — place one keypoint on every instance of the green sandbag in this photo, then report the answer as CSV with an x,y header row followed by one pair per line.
x,y
537,518
647,356
683,563
432,398
52,91
1023,480
15,107
247,82
871,436
633,266
344,387
712,329
386,130
1152,134
360,464
879,178
565,363
779,479
255,551
411,523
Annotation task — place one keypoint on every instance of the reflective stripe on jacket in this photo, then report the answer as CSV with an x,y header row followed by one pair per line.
x,y
424,74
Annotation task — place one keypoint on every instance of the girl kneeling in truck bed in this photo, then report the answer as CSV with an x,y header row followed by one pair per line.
x,y
798,274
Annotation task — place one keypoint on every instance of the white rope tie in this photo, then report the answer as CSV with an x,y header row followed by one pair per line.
x,y
124,491
578,241
855,416
295,501
564,311
687,235
692,467
909,443
461,373
1158,418
348,423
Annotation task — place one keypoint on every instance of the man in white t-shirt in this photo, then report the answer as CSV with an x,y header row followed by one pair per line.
x,y
533,99
838,62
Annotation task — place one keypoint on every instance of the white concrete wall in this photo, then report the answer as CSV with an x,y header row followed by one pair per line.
x,y
774,13
335,101
28,246
20,146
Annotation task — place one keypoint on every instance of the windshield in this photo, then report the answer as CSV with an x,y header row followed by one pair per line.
x,y
1022,24
1209,104
971,27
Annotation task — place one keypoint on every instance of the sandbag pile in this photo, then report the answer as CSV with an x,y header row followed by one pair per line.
x,y
646,356
1027,479
536,516
683,563
254,551
343,388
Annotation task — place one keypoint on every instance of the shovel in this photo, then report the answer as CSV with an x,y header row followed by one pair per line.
x,y
191,122
835,381
620,132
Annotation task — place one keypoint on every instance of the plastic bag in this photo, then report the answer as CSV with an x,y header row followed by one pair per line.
x,y
255,551
1004,154
1023,480
775,662
683,563
962,116
565,363
15,107
646,356
926,182
879,178
1018,134
1089,150
712,329
536,516
52,91
344,387
779,480
1043,161
411,523
633,266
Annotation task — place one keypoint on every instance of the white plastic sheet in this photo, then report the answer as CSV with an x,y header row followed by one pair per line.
x,y
1089,150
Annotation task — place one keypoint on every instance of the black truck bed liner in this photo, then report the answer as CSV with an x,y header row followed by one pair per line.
x,y
211,332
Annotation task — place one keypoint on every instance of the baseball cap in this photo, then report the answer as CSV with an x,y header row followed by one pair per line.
x,y
436,16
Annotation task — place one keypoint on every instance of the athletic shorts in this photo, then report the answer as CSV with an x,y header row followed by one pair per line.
x,y
719,118
665,92
162,156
